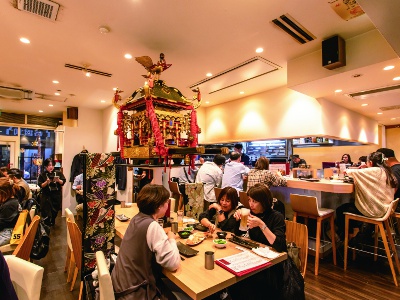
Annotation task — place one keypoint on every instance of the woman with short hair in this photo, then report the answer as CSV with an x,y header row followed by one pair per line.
x,y
266,226
50,182
9,209
220,213
146,249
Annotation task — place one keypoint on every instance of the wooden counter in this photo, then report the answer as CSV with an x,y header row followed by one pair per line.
x,y
324,185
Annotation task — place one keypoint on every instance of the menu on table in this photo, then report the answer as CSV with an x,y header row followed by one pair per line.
x,y
242,263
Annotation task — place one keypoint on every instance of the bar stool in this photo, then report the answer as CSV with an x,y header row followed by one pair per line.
x,y
307,207
382,224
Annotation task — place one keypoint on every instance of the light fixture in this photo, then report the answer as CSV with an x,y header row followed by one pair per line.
x,y
102,101
208,74
338,91
57,93
259,50
388,68
379,113
85,70
393,119
40,111
104,29
114,89
364,104
25,40
51,105
128,56
241,93
56,81
207,102
396,78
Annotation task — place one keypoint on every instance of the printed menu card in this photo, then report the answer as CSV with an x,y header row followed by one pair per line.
x,y
242,263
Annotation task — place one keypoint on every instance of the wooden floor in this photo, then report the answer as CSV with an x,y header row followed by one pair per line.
x,y
364,278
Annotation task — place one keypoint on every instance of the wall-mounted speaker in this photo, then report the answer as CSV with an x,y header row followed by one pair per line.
x,y
72,113
333,52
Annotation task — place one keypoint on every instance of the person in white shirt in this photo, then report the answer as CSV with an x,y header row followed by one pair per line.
x,y
234,172
210,173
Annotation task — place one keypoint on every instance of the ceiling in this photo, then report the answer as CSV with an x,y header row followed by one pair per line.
x,y
197,37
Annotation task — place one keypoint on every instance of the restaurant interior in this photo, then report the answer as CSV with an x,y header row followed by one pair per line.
x,y
316,79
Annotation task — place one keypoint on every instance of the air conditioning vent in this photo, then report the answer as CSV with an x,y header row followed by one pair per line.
x,y
16,93
44,121
43,8
12,118
293,28
393,107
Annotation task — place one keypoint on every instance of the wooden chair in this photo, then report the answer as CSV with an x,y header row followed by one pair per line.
x,y
244,199
217,191
298,233
76,241
70,260
381,224
9,247
24,247
174,188
26,278
307,207
105,283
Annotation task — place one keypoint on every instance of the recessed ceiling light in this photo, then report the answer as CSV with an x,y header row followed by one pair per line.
x,y
56,81
114,89
102,101
393,119
396,78
40,110
338,91
57,93
128,56
259,50
25,40
241,93
207,102
104,29
379,113
388,68
208,74
51,105
364,104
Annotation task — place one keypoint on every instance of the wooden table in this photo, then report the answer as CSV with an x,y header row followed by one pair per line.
x,y
192,277
323,185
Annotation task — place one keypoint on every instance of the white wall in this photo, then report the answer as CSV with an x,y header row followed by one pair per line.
x,y
109,126
88,134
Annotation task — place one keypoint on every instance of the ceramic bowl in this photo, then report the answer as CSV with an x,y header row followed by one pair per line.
x,y
221,234
220,243
184,234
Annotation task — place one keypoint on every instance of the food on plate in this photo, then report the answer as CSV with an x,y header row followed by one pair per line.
x,y
195,238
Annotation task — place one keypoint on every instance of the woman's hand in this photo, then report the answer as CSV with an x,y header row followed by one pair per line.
x,y
237,215
211,227
216,206
253,222
171,235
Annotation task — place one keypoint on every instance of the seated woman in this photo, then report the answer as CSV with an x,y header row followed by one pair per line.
x,y
9,209
375,187
221,211
346,159
266,226
262,174
146,249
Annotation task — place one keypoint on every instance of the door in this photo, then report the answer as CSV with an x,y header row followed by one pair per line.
x,y
7,154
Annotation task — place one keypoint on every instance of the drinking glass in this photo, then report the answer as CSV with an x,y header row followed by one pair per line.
x,y
180,218
161,222
244,212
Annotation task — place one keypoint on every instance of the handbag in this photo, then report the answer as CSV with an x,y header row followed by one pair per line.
x,y
293,252
18,231
41,243
293,282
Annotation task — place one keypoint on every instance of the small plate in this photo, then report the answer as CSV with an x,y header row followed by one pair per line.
x,y
122,218
197,238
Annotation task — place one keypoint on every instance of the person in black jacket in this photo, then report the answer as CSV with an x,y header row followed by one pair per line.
x,y
220,214
266,226
51,183
9,209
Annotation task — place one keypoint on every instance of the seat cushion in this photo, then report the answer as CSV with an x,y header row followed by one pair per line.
x,y
325,211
